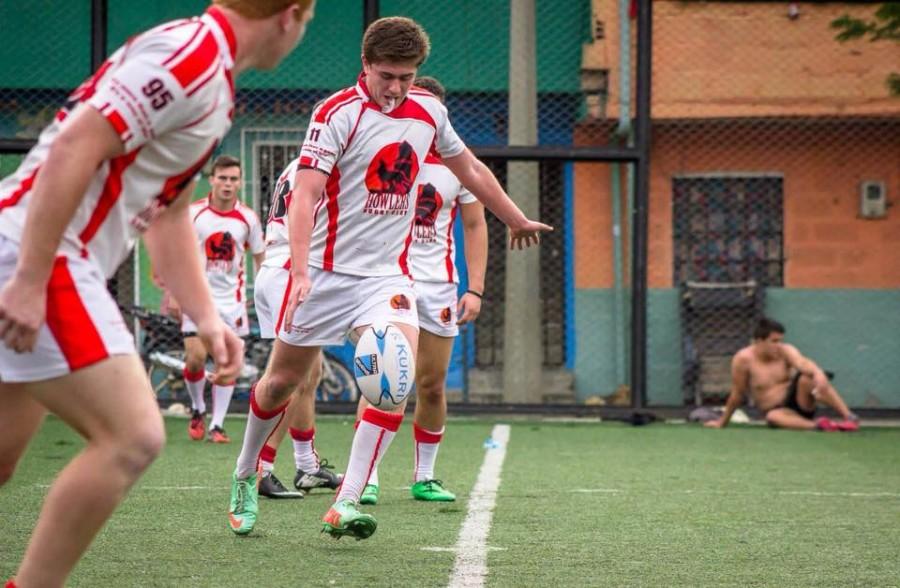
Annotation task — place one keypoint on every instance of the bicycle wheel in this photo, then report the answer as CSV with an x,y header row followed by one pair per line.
x,y
338,383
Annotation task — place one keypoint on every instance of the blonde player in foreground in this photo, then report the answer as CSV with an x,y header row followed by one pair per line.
x,y
117,162
345,247
440,200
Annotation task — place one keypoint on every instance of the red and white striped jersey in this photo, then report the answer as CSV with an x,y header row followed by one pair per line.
x,y
169,95
223,238
364,219
438,196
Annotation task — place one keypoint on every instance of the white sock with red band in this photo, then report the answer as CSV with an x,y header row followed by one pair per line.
x,y
427,443
221,398
373,437
305,456
267,458
260,425
195,382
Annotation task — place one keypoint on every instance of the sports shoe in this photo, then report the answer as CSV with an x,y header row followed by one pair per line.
x,y
431,491
369,494
218,435
848,426
322,477
244,506
271,487
197,426
826,424
343,518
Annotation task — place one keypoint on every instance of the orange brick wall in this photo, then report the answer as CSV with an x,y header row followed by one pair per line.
x,y
722,59
826,245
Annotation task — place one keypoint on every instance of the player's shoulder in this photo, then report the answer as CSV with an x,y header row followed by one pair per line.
x,y
340,103
428,101
168,40
744,357
247,211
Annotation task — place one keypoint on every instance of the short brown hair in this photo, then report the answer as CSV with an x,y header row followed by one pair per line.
x,y
259,9
224,161
432,85
396,39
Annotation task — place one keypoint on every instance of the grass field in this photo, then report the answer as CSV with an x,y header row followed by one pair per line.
x,y
580,504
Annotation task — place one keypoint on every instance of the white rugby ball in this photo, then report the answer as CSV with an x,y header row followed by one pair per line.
x,y
383,365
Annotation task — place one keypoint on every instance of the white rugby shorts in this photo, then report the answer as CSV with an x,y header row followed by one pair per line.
x,y
83,325
437,302
235,316
337,304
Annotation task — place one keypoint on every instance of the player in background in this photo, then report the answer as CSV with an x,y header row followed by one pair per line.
x,y
300,414
116,163
226,228
350,220
440,199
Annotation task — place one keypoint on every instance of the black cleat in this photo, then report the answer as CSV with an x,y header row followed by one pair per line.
x,y
271,487
324,477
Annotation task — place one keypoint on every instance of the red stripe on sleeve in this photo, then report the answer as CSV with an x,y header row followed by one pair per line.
x,y
333,102
198,61
69,321
118,123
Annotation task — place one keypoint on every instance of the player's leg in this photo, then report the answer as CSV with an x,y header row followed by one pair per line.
x,y
20,418
270,485
288,366
391,299
807,396
430,415
786,418
372,489
236,318
195,379
312,472
112,406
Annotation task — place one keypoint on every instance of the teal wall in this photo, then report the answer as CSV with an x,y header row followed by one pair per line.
x,y
853,332
469,40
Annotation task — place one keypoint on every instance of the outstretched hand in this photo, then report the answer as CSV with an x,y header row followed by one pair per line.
x,y
527,235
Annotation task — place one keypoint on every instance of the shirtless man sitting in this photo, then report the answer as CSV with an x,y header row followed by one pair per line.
x,y
783,384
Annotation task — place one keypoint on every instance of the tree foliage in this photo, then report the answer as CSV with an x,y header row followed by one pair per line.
x,y
885,26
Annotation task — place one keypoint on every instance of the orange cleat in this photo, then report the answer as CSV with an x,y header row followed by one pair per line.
x,y
197,426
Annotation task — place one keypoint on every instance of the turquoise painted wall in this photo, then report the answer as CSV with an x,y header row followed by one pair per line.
x,y
853,332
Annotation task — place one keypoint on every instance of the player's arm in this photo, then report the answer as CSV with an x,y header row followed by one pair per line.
x,y
172,245
308,186
804,365
475,239
740,379
479,180
76,153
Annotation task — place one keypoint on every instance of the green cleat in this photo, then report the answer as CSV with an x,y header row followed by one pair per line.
x,y
343,518
244,506
369,495
431,491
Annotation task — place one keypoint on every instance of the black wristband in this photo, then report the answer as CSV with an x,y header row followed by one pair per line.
x,y
474,293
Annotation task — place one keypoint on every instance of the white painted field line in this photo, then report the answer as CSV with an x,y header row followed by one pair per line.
x,y
471,548
159,488
731,493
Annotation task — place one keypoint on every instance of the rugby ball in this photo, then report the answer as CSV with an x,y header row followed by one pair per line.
x,y
383,365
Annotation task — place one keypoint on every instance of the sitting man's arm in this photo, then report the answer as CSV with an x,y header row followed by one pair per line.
x,y
804,365
740,379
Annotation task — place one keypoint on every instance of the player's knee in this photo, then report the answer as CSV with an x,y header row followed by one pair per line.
x,y
145,443
772,419
281,383
430,387
194,363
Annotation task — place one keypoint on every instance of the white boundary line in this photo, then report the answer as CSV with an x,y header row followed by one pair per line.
x,y
470,568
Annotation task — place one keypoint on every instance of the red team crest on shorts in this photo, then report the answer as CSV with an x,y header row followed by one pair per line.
x,y
389,179
400,302
446,315
428,203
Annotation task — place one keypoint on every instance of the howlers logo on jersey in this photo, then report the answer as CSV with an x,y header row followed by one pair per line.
x,y
428,203
390,178
220,250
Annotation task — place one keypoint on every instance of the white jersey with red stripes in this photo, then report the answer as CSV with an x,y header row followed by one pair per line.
x,y
363,221
169,95
438,196
224,237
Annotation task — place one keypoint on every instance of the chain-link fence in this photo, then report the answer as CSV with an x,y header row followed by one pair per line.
x,y
776,152
774,158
